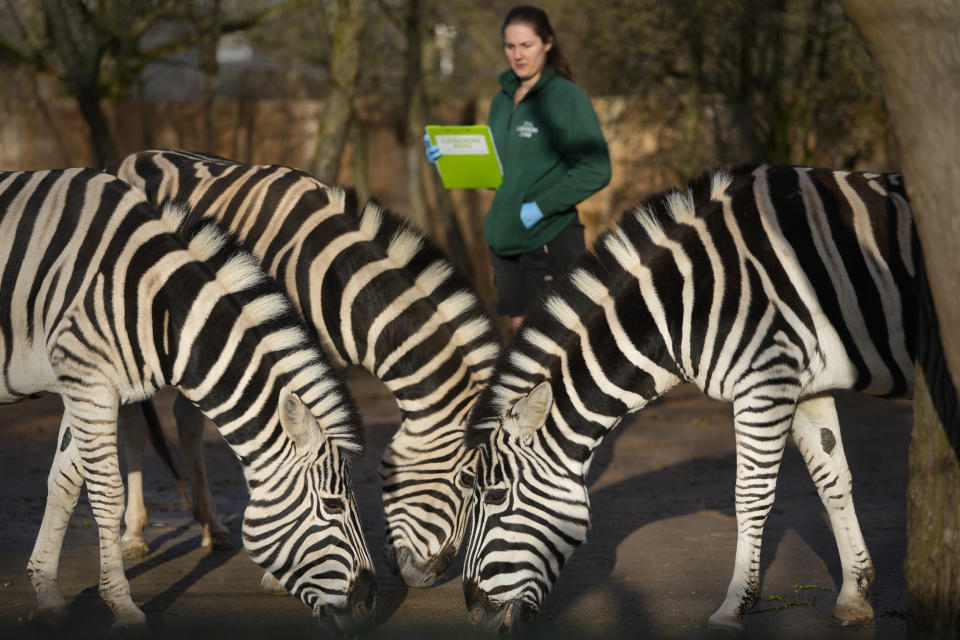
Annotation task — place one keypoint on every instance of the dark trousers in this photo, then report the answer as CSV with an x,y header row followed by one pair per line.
x,y
521,279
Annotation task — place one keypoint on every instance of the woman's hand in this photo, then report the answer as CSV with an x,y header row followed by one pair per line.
x,y
433,151
530,214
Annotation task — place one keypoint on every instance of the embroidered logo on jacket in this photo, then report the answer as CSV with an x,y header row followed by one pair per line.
x,y
527,130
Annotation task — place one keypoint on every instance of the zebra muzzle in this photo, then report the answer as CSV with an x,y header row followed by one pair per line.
x,y
356,615
505,617
395,557
505,620
403,563
363,594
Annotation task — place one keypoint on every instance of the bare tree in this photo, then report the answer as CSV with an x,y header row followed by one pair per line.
x,y
73,39
95,48
749,80
77,40
208,31
411,25
915,45
343,22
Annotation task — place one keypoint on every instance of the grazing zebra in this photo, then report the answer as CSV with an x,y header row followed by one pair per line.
x,y
379,297
103,304
767,288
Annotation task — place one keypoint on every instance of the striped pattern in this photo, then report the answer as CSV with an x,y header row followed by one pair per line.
x,y
103,304
379,297
766,287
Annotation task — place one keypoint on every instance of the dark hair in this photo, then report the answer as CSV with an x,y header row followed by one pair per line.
x,y
537,19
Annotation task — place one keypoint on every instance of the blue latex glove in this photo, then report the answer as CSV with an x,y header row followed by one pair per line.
x,y
530,214
433,151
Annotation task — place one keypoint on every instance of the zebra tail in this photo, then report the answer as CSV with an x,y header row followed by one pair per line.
x,y
159,442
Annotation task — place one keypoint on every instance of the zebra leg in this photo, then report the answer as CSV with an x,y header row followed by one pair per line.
x,y
190,426
94,425
64,483
762,421
816,433
133,542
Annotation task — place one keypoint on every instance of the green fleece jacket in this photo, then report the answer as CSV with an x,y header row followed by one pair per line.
x,y
553,153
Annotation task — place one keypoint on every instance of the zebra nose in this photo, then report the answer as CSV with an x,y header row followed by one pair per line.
x,y
475,600
477,614
395,558
442,560
363,593
425,573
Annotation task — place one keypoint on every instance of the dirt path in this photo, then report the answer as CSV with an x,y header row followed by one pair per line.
x,y
657,561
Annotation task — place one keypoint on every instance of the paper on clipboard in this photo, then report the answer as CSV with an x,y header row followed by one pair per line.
x,y
469,159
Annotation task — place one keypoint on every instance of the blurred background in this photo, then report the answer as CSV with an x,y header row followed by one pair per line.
x,y
343,89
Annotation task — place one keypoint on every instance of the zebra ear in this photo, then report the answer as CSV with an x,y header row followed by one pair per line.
x,y
531,412
293,418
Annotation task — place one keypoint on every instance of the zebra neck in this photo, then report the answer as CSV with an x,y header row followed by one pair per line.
x,y
435,368
589,400
438,408
603,363
231,352
586,410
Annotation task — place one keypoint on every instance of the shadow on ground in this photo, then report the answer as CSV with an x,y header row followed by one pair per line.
x,y
656,564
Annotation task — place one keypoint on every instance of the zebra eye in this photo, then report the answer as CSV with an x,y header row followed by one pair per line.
x,y
495,496
466,479
333,505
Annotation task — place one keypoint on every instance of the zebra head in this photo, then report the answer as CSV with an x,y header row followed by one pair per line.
x,y
427,503
427,470
531,511
302,524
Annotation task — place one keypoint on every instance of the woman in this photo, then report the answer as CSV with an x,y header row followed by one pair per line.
x,y
554,156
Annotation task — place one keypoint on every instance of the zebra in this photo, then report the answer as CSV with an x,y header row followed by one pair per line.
x,y
378,296
768,287
103,304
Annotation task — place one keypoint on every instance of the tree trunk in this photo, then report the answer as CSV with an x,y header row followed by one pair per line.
x,y
72,37
932,568
345,20
209,41
361,168
101,140
413,123
50,122
916,49
331,136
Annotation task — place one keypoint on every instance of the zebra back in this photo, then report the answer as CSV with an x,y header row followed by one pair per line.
x,y
102,303
835,251
379,296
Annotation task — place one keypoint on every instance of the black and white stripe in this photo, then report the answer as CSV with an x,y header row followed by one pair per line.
x,y
379,296
103,304
768,288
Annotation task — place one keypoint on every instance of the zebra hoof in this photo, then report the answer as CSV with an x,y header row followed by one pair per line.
x,y
129,629
725,625
857,613
271,586
218,541
51,617
134,549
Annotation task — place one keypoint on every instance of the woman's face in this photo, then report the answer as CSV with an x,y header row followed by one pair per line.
x,y
525,51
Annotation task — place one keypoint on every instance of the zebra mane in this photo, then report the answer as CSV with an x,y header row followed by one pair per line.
x,y
533,354
674,206
319,387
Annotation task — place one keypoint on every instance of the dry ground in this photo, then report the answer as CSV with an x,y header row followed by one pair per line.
x,y
657,562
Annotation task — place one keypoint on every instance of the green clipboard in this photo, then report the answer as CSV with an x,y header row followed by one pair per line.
x,y
469,159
